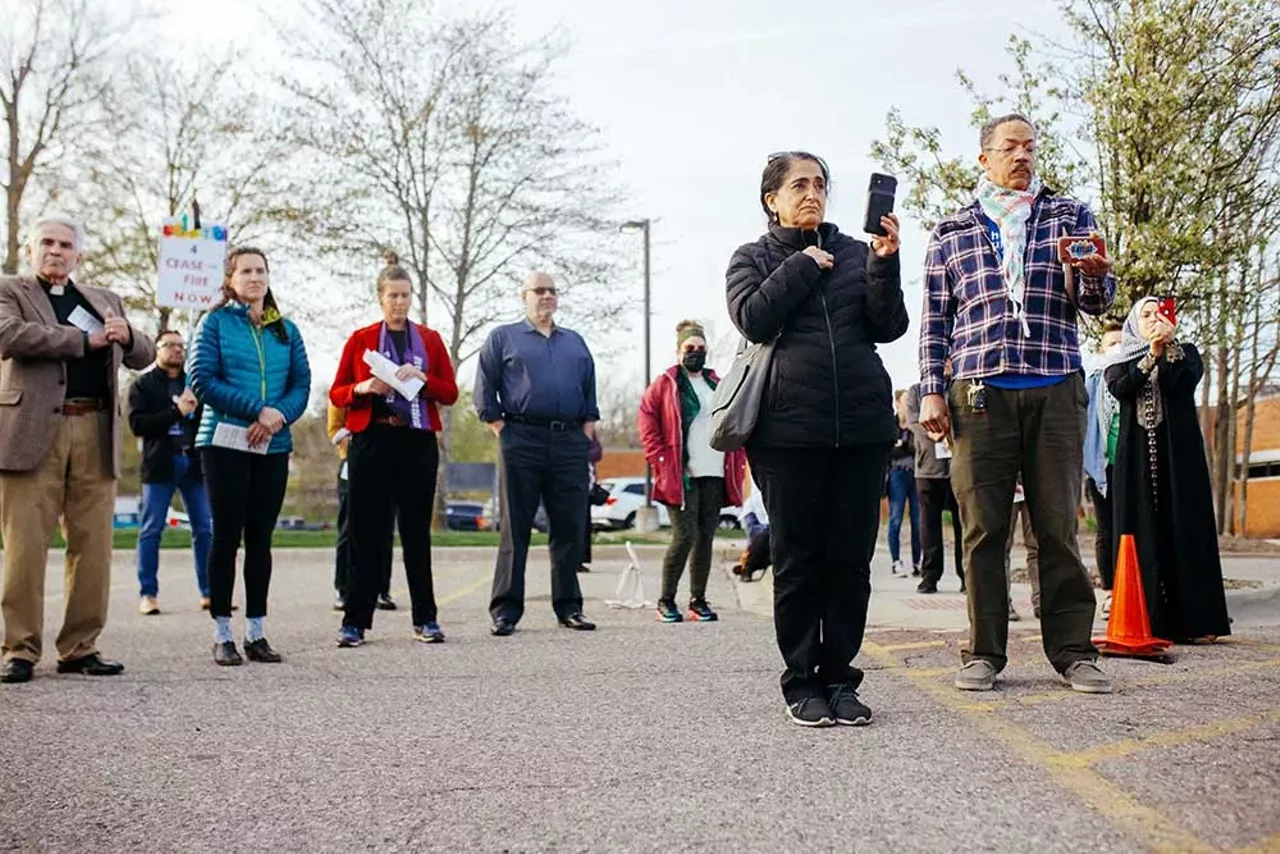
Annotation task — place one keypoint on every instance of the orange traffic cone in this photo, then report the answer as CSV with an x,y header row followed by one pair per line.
x,y
1129,627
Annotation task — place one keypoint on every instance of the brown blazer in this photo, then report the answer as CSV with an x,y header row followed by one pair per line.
x,y
34,348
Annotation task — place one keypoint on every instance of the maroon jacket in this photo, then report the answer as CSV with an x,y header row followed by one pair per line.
x,y
663,440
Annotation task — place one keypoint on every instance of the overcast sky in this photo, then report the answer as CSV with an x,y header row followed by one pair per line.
x,y
691,97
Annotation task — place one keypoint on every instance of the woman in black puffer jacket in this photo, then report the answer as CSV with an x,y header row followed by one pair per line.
x,y
821,444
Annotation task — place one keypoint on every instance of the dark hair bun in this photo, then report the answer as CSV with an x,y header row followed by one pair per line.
x,y
390,258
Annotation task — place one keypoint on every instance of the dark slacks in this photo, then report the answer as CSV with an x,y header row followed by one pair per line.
x,y
824,516
1102,551
246,492
392,470
693,531
344,554
1040,432
540,464
936,496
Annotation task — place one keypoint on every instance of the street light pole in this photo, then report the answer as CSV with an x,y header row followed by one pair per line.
x,y
642,225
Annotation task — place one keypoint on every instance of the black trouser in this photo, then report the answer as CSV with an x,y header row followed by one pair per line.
x,y
693,530
393,472
1102,542
246,492
936,496
824,515
345,555
538,463
586,536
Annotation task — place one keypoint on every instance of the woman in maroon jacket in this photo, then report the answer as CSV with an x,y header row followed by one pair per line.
x,y
693,479
393,455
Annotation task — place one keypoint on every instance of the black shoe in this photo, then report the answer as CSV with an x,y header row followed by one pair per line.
x,y
226,654
577,622
583,568
927,586
385,602
16,670
963,589
502,628
848,709
260,650
92,664
811,711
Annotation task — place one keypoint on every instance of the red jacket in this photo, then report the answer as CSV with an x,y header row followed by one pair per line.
x,y
441,386
663,440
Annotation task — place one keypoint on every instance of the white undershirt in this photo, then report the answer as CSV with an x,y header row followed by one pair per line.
x,y
704,460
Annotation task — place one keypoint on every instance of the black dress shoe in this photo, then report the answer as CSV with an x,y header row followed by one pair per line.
x,y
260,650
385,602
579,623
92,664
503,628
16,670
226,654
927,586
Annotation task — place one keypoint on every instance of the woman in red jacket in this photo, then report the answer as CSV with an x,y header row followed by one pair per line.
x,y
393,456
693,479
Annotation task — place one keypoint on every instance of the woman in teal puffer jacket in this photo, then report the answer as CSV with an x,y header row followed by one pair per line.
x,y
249,369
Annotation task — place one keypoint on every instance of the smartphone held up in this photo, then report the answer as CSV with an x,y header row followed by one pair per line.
x,y
1165,308
880,195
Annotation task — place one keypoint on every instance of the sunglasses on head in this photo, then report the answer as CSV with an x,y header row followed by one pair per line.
x,y
543,290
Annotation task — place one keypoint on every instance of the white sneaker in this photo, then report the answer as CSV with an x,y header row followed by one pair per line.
x,y
897,568
148,606
1106,606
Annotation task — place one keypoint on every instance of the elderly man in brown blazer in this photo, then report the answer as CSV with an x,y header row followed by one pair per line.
x,y
61,346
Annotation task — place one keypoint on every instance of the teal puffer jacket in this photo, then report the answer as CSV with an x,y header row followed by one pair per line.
x,y
236,369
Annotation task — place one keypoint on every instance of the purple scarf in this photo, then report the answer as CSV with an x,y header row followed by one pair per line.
x,y
414,411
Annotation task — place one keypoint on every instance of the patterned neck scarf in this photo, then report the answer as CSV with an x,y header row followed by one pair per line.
x,y
1134,346
1010,210
414,411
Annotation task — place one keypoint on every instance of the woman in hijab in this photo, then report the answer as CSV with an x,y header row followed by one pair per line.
x,y
1161,481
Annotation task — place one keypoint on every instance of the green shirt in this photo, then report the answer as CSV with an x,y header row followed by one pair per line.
x,y
1113,439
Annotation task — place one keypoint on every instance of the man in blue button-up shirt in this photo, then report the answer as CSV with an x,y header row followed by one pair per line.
x,y
1002,304
536,389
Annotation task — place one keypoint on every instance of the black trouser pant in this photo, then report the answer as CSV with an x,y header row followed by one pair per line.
x,y
246,492
936,496
1102,542
345,555
540,464
586,536
693,530
1040,432
392,470
824,515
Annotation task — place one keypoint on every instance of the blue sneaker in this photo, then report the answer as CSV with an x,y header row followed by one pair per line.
x,y
668,612
350,636
430,633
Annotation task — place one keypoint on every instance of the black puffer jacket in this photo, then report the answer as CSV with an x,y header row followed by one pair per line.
x,y
827,386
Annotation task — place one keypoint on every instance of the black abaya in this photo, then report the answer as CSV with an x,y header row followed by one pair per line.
x,y
1173,525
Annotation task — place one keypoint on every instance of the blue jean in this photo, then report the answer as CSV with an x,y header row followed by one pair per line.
x,y
155,510
902,490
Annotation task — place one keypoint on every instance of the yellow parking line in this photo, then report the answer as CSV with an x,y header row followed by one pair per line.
x,y
1147,826
1270,845
463,592
1146,682
1171,738
904,647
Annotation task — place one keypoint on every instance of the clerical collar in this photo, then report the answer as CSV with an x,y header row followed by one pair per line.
x,y
52,289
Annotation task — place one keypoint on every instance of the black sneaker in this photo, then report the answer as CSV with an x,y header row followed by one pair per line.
x,y
385,602
668,612
700,612
848,709
927,586
226,654
261,651
811,711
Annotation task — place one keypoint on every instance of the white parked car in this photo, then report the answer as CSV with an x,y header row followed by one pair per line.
x,y
626,497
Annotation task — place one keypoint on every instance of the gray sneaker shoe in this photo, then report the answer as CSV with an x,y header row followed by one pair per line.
x,y
1087,677
977,675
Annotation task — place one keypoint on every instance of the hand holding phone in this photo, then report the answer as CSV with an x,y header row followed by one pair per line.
x,y
1165,308
880,195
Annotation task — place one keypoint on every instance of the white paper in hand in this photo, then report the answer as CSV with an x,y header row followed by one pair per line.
x,y
385,370
85,321
237,439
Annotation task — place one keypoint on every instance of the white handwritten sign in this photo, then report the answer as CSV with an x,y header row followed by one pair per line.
x,y
191,265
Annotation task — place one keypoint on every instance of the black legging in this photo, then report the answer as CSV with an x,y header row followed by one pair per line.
x,y
246,492
392,474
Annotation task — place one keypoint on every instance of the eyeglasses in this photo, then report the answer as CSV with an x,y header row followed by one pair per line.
x,y
1008,150
543,290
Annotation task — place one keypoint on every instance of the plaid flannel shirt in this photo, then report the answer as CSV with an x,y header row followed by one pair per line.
x,y
967,311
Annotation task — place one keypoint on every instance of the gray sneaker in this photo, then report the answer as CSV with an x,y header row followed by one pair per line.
x,y
1087,677
977,675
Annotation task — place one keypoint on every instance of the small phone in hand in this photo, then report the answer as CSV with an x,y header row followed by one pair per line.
x,y
1072,250
1165,308
880,196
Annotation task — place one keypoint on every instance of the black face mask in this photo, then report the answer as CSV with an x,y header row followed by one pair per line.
x,y
693,361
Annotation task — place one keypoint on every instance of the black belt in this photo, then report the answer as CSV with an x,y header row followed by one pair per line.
x,y
549,423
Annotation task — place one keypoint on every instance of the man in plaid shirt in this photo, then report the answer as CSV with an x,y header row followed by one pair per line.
x,y
1002,304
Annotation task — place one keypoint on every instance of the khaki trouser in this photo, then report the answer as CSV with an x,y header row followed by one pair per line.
x,y
1039,432
72,482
